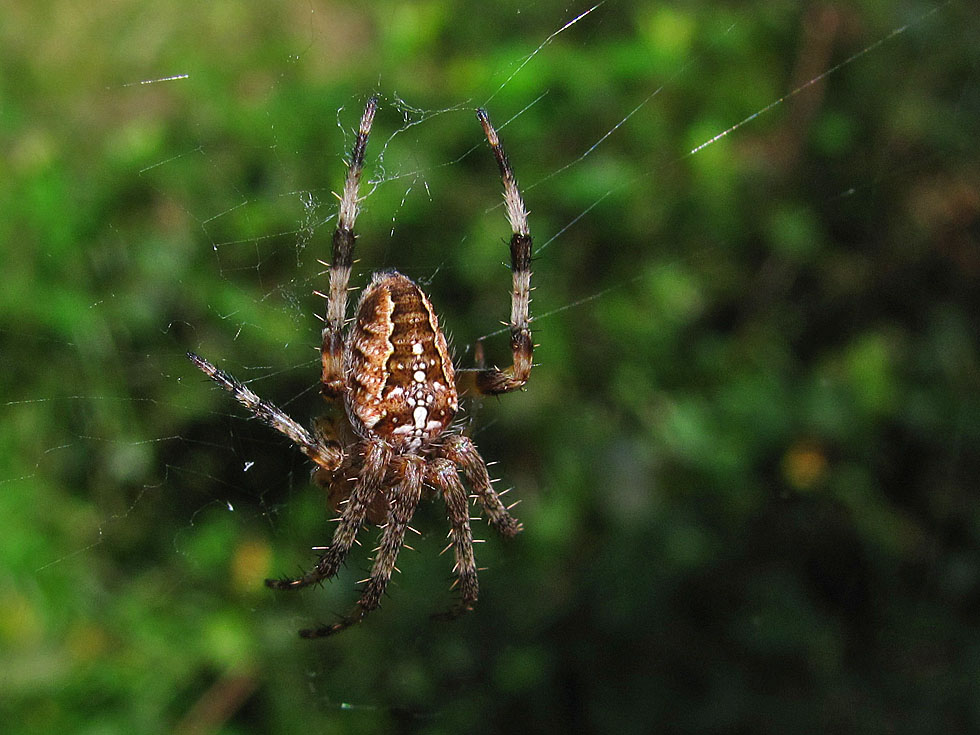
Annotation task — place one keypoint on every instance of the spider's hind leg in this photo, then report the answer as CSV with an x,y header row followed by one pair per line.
x,y
493,381
332,349
402,506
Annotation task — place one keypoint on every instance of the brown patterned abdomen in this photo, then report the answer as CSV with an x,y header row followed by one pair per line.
x,y
397,366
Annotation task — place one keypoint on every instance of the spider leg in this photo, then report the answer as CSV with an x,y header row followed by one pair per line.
x,y
403,503
377,456
332,350
326,452
493,381
462,451
442,474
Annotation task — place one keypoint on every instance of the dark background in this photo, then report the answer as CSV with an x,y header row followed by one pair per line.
x,y
747,457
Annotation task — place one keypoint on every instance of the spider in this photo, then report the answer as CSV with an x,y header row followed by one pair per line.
x,y
392,371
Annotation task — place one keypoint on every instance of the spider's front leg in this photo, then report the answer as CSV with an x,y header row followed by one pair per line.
x,y
377,456
403,501
462,451
442,474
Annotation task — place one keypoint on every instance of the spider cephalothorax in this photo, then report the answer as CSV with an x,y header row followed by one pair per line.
x,y
392,371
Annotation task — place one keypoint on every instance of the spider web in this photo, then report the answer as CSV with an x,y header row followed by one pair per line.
x,y
239,200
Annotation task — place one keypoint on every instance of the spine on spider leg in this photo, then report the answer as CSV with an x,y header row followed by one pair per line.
x,y
343,260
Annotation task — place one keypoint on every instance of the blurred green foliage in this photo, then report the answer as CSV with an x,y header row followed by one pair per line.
x,y
748,454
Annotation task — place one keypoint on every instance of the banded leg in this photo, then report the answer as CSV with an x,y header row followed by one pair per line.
x,y
445,478
491,380
403,503
332,382
325,451
462,451
377,455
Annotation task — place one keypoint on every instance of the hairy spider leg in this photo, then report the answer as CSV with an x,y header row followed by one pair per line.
x,y
462,451
370,481
332,349
492,381
404,500
442,474
325,451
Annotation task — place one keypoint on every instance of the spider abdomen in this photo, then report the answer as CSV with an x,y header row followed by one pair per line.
x,y
399,374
